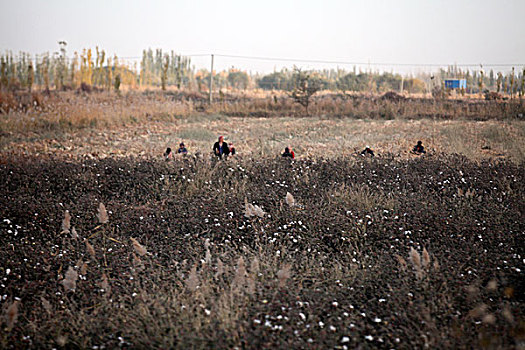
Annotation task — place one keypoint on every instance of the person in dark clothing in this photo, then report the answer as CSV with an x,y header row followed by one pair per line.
x,y
419,149
288,153
220,148
182,149
232,149
368,152
168,154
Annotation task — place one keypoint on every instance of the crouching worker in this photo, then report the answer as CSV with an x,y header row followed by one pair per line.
x,y
367,152
419,149
168,154
288,153
220,148
231,149
182,149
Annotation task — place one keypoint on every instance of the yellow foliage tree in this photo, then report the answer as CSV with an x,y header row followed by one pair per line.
x,y
89,67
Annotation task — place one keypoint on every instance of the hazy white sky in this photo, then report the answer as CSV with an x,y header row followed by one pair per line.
x,y
393,31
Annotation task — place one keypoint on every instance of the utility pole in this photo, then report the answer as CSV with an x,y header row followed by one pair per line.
x,y
211,80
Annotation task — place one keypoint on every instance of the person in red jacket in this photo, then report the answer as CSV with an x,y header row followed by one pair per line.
x,y
232,149
288,152
368,152
419,149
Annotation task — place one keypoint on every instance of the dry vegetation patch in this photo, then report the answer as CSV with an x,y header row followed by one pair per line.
x,y
267,137
145,123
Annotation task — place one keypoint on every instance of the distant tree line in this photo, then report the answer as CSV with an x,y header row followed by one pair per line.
x,y
511,83
157,68
345,81
57,71
163,69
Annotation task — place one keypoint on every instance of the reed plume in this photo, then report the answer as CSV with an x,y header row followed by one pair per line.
x,y
254,266
137,263
402,262
479,311
436,264
259,212
207,257
492,285
415,258
83,268
104,283
66,222
249,210
74,233
425,258
507,314
253,210
220,268
138,247
240,274
290,200
250,285
284,274
102,214
61,340
192,282
90,249
489,319
12,315
46,305
70,281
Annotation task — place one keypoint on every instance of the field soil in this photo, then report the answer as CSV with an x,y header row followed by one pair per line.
x,y
370,253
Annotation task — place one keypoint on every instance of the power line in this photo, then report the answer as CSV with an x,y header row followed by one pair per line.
x,y
189,55
322,61
356,63
371,63
349,63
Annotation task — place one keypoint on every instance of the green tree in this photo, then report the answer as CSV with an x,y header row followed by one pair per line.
x,y
30,76
522,83
164,76
109,73
44,70
238,79
3,71
61,66
499,81
117,83
304,88
388,82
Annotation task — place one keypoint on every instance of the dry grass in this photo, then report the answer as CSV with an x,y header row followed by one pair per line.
x,y
363,198
71,111
267,137
505,139
104,124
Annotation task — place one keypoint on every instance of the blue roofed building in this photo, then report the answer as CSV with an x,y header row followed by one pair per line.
x,y
456,83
